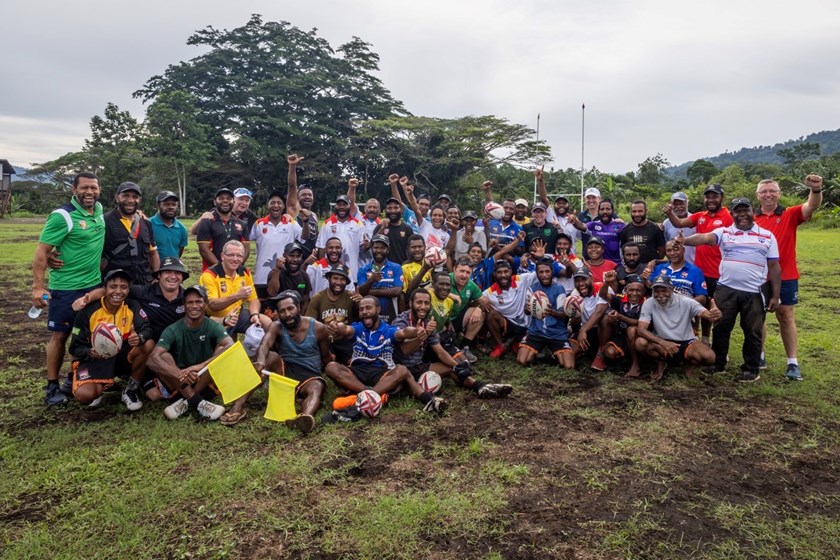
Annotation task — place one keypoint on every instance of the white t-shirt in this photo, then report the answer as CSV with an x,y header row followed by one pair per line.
x,y
511,302
351,233
744,256
271,241
434,237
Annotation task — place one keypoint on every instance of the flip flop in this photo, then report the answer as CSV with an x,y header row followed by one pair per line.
x,y
233,418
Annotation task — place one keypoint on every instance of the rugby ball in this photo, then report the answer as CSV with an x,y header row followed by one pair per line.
x,y
538,305
435,256
369,403
494,210
106,340
430,382
571,307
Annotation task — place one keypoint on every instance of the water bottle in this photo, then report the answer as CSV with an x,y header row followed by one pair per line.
x,y
35,312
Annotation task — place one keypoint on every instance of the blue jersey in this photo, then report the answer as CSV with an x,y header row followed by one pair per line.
x,y
410,218
550,327
392,277
521,266
374,348
688,280
482,274
504,234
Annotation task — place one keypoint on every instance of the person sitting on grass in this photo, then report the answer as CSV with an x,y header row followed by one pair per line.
x,y
92,373
665,331
483,268
424,352
335,306
372,365
618,326
592,308
184,349
296,347
550,331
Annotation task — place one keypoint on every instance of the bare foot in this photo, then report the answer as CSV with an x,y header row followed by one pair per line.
x,y
633,371
659,373
690,371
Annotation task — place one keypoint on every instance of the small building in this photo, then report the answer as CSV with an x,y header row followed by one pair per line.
x,y
6,186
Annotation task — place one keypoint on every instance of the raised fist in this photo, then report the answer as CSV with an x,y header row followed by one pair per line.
x,y
353,183
814,181
487,185
294,159
393,178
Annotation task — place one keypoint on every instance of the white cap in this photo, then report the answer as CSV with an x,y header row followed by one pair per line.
x,y
521,201
592,191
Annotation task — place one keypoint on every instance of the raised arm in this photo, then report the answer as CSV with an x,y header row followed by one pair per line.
x,y
543,194
412,201
520,237
686,222
292,202
815,197
488,191
352,186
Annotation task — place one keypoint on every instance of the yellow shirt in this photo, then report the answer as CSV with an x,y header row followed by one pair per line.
x,y
410,270
441,310
219,285
128,225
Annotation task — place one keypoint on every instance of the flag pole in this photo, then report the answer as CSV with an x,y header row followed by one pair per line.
x,y
537,163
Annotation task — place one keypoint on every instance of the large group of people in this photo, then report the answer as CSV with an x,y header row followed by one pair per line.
x,y
372,300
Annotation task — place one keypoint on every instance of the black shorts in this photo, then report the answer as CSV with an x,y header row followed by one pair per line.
x,y
102,372
679,357
298,373
343,350
419,369
458,322
368,374
592,337
512,330
537,342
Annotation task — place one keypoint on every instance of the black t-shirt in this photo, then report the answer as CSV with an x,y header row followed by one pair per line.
x,y
161,311
218,232
547,232
622,273
648,237
398,236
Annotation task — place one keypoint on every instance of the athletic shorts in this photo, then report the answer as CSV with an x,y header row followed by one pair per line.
x,y
419,369
298,373
537,342
711,285
101,372
592,337
60,314
514,331
343,350
620,345
789,294
368,374
458,322
679,357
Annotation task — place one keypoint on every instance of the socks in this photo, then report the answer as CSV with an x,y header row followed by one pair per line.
x,y
477,385
195,400
793,361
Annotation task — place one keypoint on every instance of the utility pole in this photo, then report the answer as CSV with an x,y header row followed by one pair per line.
x,y
582,129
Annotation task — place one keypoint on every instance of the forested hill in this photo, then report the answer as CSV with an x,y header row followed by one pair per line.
x,y
828,141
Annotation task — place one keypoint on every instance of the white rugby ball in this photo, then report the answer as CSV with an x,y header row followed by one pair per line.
x,y
369,403
430,382
435,256
571,307
494,210
538,305
106,340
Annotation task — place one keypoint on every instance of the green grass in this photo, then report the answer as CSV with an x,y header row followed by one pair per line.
x,y
574,465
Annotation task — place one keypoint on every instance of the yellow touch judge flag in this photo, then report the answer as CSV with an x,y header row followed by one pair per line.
x,y
233,373
281,398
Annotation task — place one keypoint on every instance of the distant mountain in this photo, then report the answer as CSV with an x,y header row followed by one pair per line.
x,y
829,141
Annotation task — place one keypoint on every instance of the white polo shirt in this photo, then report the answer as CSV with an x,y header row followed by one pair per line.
x,y
271,241
744,256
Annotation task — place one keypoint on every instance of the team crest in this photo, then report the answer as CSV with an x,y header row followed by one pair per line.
x,y
82,224
223,287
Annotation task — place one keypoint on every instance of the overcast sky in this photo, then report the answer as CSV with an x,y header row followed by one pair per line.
x,y
684,79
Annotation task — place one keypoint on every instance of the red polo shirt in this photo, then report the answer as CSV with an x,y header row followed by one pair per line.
x,y
782,222
707,257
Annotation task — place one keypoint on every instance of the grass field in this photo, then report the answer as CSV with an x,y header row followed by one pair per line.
x,y
573,465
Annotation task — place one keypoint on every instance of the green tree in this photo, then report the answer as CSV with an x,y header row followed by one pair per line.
x,y
799,153
701,171
115,149
652,170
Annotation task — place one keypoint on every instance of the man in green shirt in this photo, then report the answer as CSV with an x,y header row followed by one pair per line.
x,y
185,348
467,316
76,231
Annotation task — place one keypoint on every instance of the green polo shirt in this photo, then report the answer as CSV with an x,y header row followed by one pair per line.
x,y
470,293
79,237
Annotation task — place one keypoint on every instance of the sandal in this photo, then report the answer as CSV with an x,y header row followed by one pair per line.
x,y
302,422
233,418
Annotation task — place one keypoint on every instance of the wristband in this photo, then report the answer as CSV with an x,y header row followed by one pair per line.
x,y
817,192
252,315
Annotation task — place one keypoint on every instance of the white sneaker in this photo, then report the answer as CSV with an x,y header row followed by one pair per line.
x,y
131,398
96,402
176,409
210,410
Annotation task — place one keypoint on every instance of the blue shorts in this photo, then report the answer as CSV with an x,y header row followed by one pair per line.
x,y
789,294
61,316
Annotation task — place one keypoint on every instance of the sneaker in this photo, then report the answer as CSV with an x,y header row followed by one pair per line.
x,y
514,347
350,414
714,370
53,395
598,364
341,403
793,373
67,388
435,404
210,410
96,402
749,376
176,409
494,391
762,364
471,358
304,423
498,351
131,396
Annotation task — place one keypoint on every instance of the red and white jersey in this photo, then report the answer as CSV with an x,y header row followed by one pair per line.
x,y
271,241
590,303
433,236
316,272
511,302
351,233
745,255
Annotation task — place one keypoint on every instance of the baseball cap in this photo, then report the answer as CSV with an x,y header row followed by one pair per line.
x,y
565,235
381,239
502,264
166,195
561,197
393,199
740,201
597,240
342,198
538,206
633,279
582,272
469,215
173,263
339,269
714,188
293,246
242,191
128,186
520,202
223,190
679,195
114,273
199,289
662,280
288,294
446,196
592,191
426,196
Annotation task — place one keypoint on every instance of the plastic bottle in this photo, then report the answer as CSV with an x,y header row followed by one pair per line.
x,y
35,312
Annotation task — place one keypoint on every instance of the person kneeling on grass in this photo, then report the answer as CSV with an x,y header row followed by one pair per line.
x,y
425,352
295,347
617,329
372,365
592,308
92,373
671,340
551,329
184,349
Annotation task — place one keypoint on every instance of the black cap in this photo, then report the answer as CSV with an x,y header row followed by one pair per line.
x,y
381,239
469,215
199,289
502,264
597,240
293,246
538,206
740,201
567,236
166,195
446,196
393,199
288,294
633,279
582,272
116,272
339,269
662,280
342,198
173,263
714,188
223,190
129,186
